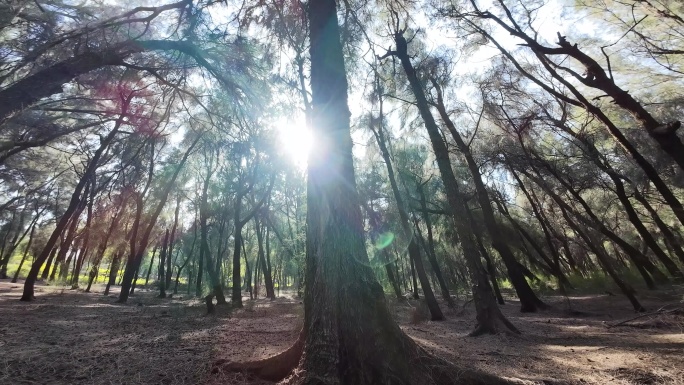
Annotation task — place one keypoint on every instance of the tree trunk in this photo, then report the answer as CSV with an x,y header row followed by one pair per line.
x,y
236,295
414,281
413,249
113,271
162,260
268,280
149,267
169,270
529,302
135,258
74,202
24,255
349,335
19,235
432,257
489,316
605,263
490,269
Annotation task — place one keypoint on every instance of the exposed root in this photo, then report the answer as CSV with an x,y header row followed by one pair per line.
x,y
501,325
273,368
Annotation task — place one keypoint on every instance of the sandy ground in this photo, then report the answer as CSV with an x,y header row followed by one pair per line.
x,y
69,337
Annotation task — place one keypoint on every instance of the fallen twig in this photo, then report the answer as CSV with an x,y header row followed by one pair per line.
x,y
662,310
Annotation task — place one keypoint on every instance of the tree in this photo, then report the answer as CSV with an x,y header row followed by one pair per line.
x,y
489,316
349,336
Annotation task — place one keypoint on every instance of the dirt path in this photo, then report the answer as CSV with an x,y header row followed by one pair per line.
x,y
68,337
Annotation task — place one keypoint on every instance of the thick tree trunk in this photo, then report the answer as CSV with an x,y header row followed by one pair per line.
x,y
349,335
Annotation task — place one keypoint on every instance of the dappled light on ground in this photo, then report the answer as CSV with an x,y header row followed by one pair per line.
x,y
70,337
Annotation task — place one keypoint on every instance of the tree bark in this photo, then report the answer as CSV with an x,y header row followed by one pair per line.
x,y
529,302
73,205
268,280
413,249
349,335
489,316
135,258
24,255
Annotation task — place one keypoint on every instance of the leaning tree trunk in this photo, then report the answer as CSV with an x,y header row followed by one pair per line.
x,y
349,334
602,257
489,316
74,202
113,271
136,258
529,302
84,247
19,235
413,249
24,255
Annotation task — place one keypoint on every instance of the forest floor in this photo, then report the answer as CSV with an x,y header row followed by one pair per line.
x,y
71,337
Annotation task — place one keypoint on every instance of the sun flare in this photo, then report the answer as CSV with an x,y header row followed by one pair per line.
x,y
296,140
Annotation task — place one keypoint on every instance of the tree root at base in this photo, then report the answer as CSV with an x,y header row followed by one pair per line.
x,y
273,368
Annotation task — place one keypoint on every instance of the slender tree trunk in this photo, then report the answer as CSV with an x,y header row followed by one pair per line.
x,y
489,316
135,259
24,255
169,270
268,280
413,249
66,245
669,236
19,235
162,260
74,202
627,290
149,267
187,259
529,302
236,295
414,281
490,269
432,257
